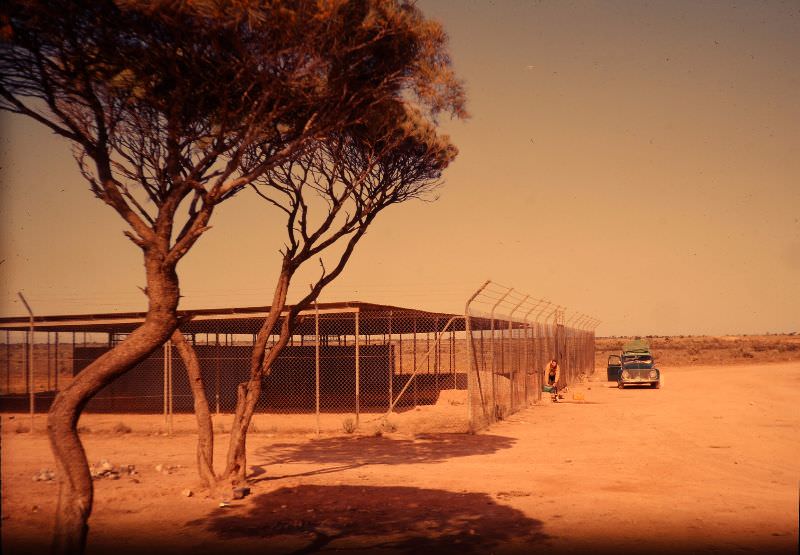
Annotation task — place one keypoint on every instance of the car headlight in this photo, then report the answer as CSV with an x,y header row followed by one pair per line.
x,y
653,374
626,374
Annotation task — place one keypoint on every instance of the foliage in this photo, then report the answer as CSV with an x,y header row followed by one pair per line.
x,y
168,101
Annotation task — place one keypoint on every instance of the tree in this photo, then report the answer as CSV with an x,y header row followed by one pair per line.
x,y
171,108
329,196
399,158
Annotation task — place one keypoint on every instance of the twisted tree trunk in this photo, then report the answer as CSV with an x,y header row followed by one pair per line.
x,y
248,393
75,483
205,428
247,396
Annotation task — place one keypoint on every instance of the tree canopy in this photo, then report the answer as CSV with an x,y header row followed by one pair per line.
x,y
169,100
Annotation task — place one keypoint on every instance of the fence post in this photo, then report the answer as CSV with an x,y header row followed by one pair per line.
x,y
437,356
470,356
171,395
585,345
8,361
414,361
316,361
453,357
55,385
216,371
166,381
30,359
391,362
512,349
358,366
528,351
47,334
491,353
541,327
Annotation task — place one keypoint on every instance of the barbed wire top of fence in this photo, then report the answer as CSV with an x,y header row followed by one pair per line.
x,y
495,301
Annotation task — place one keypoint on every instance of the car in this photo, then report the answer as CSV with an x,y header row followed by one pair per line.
x,y
634,366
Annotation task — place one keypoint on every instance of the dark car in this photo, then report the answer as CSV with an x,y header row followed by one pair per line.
x,y
635,366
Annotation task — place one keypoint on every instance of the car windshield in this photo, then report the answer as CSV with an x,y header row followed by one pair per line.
x,y
637,361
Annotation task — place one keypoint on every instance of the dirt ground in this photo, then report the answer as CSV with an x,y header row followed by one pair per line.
x,y
707,464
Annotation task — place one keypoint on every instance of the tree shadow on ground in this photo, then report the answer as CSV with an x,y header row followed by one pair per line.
x,y
429,448
309,518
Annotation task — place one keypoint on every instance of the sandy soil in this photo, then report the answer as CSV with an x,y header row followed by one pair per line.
x,y
707,464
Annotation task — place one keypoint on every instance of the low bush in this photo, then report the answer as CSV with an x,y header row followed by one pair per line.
x,y
348,425
121,428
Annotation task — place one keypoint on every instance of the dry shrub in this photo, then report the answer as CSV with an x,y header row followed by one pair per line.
x,y
348,425
121,428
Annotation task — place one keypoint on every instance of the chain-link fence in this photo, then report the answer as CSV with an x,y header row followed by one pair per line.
x,y
347,366
343,368
41,363
512,336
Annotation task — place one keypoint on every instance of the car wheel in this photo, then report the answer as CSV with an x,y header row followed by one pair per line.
x,y
656,385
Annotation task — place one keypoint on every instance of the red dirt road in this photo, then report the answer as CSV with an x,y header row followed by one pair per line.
x,y
707,464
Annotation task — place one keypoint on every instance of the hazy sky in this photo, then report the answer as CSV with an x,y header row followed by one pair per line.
x,y
638,161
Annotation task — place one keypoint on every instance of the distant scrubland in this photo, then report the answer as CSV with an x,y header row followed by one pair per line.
x,y
697,350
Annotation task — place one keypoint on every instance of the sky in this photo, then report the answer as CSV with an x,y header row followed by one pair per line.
x,y
635,161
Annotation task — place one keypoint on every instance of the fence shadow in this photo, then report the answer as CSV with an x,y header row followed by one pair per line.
x,y
359,450
309,518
